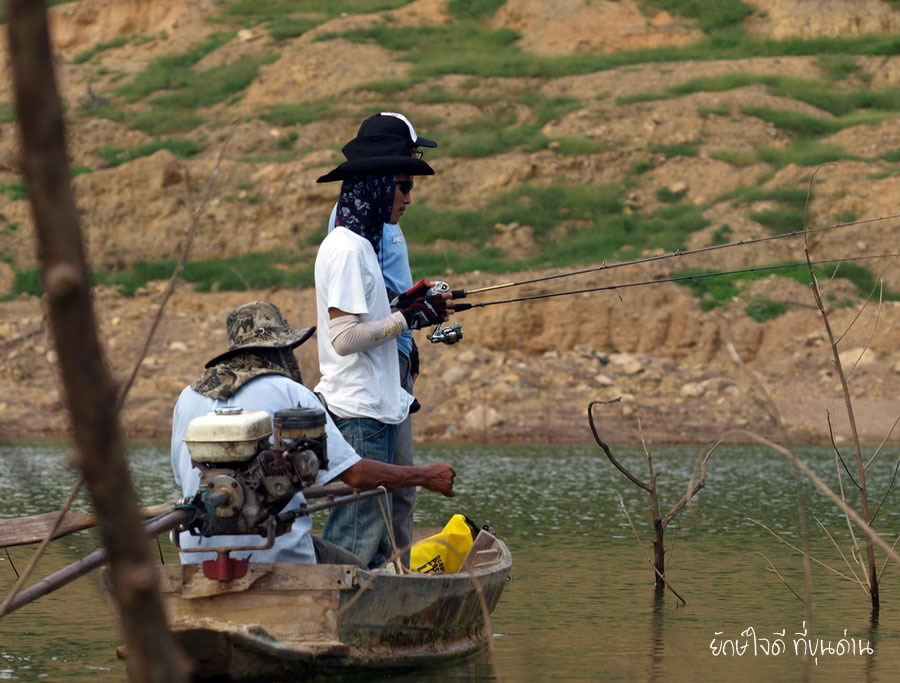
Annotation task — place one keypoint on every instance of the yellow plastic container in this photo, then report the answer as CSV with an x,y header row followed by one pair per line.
x,y
444,552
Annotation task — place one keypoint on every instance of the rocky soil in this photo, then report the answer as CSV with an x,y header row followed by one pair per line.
x,y
524,372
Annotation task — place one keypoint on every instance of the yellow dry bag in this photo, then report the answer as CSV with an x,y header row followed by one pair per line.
x,y
443,553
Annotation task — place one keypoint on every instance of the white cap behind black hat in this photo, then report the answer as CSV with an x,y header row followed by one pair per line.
x,y
392,123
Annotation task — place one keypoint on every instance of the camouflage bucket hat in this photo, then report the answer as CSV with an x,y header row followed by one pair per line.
x,y
259,325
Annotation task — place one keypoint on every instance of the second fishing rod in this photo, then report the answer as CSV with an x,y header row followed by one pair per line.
x,y
453,333
676,254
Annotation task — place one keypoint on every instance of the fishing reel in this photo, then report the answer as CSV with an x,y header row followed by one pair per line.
x,y
440,334
445,335
248,479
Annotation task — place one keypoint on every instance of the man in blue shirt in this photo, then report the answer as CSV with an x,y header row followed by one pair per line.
x,y
393,133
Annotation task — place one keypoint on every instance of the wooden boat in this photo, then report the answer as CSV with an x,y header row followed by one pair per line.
x,y
283,620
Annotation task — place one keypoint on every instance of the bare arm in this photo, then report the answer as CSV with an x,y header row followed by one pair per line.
x,y
370,474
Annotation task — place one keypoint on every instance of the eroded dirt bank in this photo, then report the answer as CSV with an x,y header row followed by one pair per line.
x,y
523,372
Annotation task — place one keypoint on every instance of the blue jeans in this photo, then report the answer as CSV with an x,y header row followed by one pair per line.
x,y
360,527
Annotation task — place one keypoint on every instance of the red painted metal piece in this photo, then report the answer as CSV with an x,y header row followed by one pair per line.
x,y
224,568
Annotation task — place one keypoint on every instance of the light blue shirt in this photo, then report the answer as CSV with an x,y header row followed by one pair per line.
x,y
394,260
270,393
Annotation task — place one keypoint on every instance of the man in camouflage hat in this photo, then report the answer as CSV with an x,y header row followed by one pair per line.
x,y
259,372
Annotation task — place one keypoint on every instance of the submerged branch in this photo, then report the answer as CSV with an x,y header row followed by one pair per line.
x,y
777,573
637,537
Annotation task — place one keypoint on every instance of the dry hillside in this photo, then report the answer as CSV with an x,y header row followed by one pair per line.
x,y
572,99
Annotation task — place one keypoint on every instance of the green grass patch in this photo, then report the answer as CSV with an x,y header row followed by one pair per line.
x,y
599,228
176,111
710,16
779,221
721,235
165,120
7,112
892,155
214,85
792,196
718,290
104,111
822,94
266,9
539,207
838,67
806,126
688,149
87,55
300,112
391,86
665,195
736,157
763,310
285,28
803,153
252,271
171,72
183,149
706,112
471,48
16,190
285,19
474,9
496,132
845,217
573,145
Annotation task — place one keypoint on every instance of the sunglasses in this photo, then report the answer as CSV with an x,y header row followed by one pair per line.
x,y
405,186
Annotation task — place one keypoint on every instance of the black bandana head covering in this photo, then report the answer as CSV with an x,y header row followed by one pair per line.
x,y
365,205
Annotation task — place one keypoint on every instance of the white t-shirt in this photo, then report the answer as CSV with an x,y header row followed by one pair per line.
x,y
365,384
270,393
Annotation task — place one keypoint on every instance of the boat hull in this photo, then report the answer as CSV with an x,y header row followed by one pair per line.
x,y
290,620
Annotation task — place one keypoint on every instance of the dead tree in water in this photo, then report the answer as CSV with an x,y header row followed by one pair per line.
x,y
659,522
88,386
871,568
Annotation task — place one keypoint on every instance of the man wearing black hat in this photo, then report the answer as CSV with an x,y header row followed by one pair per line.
x,y
397,130
259,372
358,356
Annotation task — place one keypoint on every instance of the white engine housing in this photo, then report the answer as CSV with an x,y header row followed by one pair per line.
x,y
227,435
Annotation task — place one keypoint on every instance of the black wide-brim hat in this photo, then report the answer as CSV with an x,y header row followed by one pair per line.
x,y
377,166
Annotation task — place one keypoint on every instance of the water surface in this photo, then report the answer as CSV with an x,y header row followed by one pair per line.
x,y
581,605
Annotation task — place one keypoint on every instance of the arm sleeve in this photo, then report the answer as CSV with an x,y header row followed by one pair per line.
x,y
349,335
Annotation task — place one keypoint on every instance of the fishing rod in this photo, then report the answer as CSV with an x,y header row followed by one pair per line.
x,y
178,516
673,254
681,278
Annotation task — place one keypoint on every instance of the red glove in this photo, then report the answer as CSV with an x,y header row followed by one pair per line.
x,y
426,311
417,291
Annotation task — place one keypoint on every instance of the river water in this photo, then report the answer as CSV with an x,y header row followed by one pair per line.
x,y
581,604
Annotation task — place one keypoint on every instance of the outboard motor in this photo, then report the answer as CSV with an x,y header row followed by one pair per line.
x,y
254,479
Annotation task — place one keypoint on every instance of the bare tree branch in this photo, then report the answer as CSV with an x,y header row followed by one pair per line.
x,y
841,553
619,466
88,386
693,486
823,487
883,441
801,551
777,573
660,576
